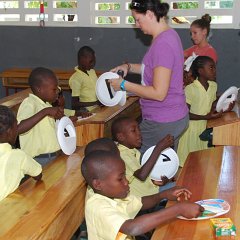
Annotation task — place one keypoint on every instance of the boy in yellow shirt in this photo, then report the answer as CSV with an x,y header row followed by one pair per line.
x,y
36,117
110,210
126,132
83,81
14,163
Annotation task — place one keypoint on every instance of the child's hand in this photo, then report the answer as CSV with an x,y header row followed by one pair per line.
x,y
166,142
190,210
230,107
83,114
55,112
73,118
213,114
164,180
177,193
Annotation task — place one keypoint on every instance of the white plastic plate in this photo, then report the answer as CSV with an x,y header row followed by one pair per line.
x,y
229,96
102,92
213,208
166,165
67,143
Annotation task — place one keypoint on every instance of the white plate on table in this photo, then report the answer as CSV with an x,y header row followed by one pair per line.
x,y
213,208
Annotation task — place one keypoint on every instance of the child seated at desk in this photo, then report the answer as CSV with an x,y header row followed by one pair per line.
x,y
126,132
36,117
110,210
14,163
200,97
83,81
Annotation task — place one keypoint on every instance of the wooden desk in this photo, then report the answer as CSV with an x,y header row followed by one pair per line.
x,y
15,100
18,78
99,125
51,209
212,173
226,130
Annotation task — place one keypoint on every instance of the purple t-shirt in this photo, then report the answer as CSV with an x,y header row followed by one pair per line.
x,y
166,51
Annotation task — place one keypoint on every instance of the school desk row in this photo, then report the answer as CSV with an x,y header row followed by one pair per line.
x,y
98,125
18,78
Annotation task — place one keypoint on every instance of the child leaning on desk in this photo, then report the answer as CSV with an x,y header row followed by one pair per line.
x,y
36,117
14,163
83,81
110,210
127,134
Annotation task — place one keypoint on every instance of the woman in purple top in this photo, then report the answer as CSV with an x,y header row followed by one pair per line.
x,y
162,99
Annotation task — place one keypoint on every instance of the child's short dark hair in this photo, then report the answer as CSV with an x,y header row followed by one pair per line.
x,y
94,165
199,62
105,144
38,75
117,126
84,51
7,119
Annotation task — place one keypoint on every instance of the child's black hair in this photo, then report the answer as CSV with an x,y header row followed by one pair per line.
x,y
7,119
38,75
84,51
117,126
105,144
198,63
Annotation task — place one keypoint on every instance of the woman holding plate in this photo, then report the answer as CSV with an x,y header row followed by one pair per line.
x,y
162,99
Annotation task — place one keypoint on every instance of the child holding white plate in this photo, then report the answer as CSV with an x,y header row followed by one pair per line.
x,y
127,133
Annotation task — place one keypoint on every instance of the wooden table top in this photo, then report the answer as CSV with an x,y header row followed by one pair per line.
x,y
104,114
33,206
228,117
212,173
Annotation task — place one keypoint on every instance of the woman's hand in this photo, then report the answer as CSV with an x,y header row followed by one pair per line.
x,y
115,83
124,67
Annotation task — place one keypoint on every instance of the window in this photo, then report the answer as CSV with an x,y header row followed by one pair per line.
x,y
114,13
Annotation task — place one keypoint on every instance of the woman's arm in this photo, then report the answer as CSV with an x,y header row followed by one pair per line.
x,y
158,91
128,68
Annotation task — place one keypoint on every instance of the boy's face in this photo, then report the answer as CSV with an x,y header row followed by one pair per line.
x,y
114,183
48,90
87,62
131,135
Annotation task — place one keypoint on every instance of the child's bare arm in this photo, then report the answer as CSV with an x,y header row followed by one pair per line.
x,y
145,170
38,177
76,104
26,124
148,222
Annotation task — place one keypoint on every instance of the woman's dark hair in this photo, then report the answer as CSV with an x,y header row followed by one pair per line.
x,y
203,22
7,119
159,9
199,62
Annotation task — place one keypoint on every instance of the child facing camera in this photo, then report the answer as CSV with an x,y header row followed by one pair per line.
x,y
126,132
200,97
83,81
14,163
110,210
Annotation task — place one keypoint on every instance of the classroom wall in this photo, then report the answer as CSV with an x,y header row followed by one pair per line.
x,y
57,47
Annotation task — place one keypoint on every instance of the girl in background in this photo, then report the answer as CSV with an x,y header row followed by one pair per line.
x,y
199,31
200,96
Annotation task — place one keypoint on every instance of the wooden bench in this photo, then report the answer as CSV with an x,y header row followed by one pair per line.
x,y
17,78
50,209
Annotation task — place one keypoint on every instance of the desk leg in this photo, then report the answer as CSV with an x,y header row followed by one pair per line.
x,y
6,91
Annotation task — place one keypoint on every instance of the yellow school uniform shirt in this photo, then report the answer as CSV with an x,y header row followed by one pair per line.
x,y
84,86
139,188
14,164
201,102
105,216
42,138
